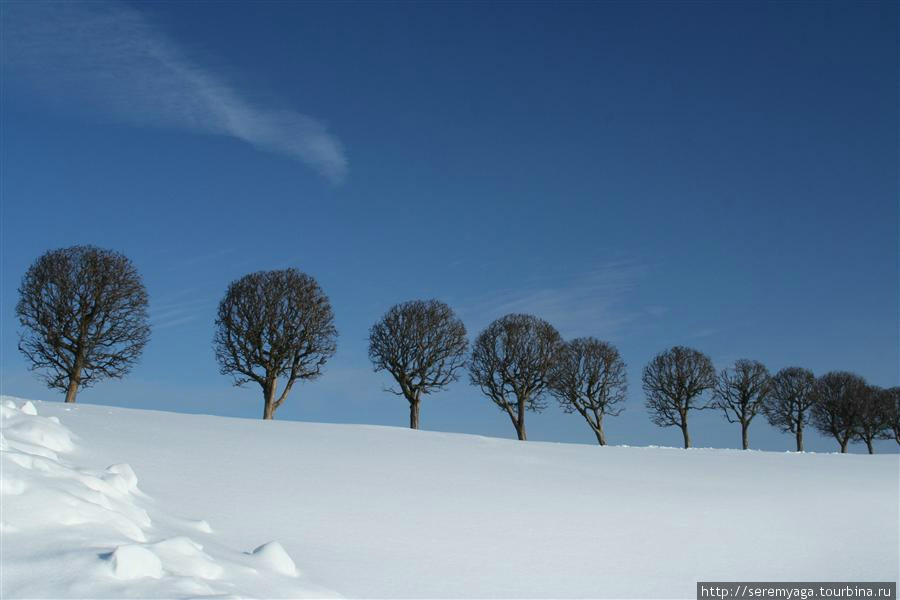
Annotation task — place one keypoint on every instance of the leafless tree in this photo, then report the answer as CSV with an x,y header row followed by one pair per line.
x,y
589,377
272,325
511,363
673,381
836,410
740,393
874,416
84,316
422,344
790,399
893,414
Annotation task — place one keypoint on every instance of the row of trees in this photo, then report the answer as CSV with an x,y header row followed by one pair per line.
x,y
838,404
84,317
519,360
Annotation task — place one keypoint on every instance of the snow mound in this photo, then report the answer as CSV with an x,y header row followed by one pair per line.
x,y
72,531
133,562
273,557
122,478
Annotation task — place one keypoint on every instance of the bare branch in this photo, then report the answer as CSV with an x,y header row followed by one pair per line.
x,y
271,325
875,416
837,407
789,401
511,364
590,378
422,344
84,316
740,393
673,381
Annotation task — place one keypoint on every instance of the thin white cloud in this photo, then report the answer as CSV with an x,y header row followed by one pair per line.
x,y
180,308
590,303
109,58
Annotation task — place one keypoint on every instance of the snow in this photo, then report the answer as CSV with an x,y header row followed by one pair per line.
x,y
133,562
112,502
274,557
73,529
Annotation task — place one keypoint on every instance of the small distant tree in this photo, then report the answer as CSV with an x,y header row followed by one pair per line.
x,y
673,382
511,362
84,316
837,407
422,344
274,325
790,399
589,377
874,416
893,414
740,393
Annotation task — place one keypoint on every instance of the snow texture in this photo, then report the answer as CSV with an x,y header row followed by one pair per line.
x,y
367,511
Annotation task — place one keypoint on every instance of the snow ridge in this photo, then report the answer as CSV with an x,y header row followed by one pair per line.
x,y
77,532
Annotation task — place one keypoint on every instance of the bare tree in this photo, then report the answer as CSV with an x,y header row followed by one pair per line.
x,y
740,393
589,377
874,416
790,399
84,314
422,344
272,325
893,414
511,363
836,410
673,381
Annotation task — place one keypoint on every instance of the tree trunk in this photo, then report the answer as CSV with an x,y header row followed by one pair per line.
x,y
598,431
72,390
745,435
869,446
74,381
520,422
799,438
414,414
520,431
843,444
269,396
684,432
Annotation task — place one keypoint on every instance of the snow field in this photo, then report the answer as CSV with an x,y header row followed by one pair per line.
x,y
387,512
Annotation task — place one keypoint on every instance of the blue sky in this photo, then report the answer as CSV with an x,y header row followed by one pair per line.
x,y
720,175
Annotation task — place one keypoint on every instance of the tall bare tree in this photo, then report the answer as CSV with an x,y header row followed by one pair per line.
x,y
673,381
84,316
740,393
874,416
422,344
790,399
893,414
511,363
589,377
836,410
274,325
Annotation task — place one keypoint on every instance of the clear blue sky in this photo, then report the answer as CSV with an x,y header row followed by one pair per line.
x,y
720,175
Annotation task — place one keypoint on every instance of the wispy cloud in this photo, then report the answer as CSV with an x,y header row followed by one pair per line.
x,y
182,262
703,333
589,303
178,309
111,59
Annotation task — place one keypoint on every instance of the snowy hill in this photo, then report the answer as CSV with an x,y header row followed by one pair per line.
x,y
111,502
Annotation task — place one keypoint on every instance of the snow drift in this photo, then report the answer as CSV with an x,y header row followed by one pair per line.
x,y
109,502
72,531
